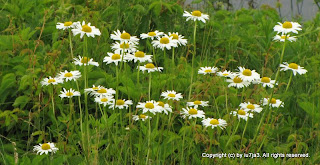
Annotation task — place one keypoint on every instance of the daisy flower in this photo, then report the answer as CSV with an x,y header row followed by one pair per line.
x,y
266,81
84,61
45,148
151,35
287,27
207,70
121,103
165,107
113,58
150,68
164,42
72,75
226,74
192,113
237,82
251,107
65,25
247,74
179,38
197,103
171,95
126,47
69,93
51,80
92,89
105,100
140,117
275,103
211,122
139,56
242,114
124,37
102,91
196,15
282,38
87,29
294,67
151,106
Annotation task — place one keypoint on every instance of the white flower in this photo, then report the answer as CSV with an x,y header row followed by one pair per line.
x,y
164,42
151,35
179,38
65,25
105,100
72,75
121,103
84,28
287,27
197,103
294,67
211,122
150,68
226,74
140,117
196,15
266,81
275,103
92,89
251,107
126,47
102,91
242,114
207,70
171,95
192,113
237,82
51,80
45,148
84,61
247,74
68,93
124,37
164,107
113,58
139,56
282,38
149,106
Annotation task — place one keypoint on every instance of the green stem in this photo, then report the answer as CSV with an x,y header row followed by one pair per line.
x,y
138,75
193,55
81,127
234,131
150,86
289,82
70,41
149,136
245,127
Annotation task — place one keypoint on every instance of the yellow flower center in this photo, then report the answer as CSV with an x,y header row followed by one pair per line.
x,y
193,111
287,25
284,37
84,60
273,101
152,34
69,94
67,23
125,36
51,80
196,13
164,40
68,74
149,105
115,57
225,74
208,71
237,80
250,106
160,103
124,45
214,122
45,146
197,102
139,54
174,36
120,102
102,90
247,72
241,112
95,88
86,28
265,79
171,95
150,66
104,100
142,116
293,66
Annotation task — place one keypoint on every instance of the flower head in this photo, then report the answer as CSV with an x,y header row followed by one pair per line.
x,y
65,25
72,75
237,82
150,68
104,100
198,103
226,74
196,16
84,28
149,106
84,61
164,107
207,70
282,38
242,114
45,148
275,103
124,37
287,27
192,113
119,48
164,42
171,95
51,80
139,56
211,122
151,35
294,67
266,82
140,117
102,91
120,103
69,93
113,58
251,107
179,38
247,74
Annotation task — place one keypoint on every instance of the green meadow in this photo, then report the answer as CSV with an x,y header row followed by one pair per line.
x,y
78,84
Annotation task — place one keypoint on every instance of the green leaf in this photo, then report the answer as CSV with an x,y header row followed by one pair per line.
x,y
21,101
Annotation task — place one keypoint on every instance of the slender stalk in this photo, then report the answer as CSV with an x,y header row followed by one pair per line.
x,y
289,82
245,127
149,136
70,41
233,133
172,58
150,86
138,75
194,53
81,127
